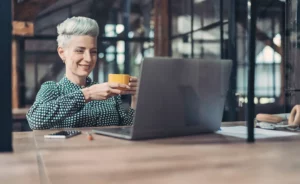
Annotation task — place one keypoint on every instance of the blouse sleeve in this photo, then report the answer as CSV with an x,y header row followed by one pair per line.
x,y
50,109
125,116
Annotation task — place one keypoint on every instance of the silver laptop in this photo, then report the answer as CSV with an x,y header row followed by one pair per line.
x,y
177,97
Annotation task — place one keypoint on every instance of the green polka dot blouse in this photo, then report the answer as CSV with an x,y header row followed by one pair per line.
x,y
62,105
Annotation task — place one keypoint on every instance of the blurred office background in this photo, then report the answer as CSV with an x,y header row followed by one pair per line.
x,y
131,30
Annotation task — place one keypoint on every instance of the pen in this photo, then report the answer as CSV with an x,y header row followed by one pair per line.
x,y
89,136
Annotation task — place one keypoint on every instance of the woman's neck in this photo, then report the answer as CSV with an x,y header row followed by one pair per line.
x,y
81,81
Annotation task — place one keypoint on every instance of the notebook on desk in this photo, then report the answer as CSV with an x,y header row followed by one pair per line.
x,y
177,97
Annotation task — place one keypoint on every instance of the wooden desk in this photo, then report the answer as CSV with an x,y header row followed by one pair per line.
x,y
21,165
209,158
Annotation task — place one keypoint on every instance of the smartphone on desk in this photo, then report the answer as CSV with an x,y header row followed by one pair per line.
x,y
62,134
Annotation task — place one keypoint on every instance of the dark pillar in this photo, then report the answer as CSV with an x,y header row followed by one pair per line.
x,y
5,76
161,35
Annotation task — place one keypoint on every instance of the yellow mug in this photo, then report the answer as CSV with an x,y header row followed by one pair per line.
x,y
119,78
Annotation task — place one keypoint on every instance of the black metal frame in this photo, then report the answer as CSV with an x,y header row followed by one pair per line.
x,y
192,28
203,28
252,7
261,12
286,58
126,21
231,53
273,64
220,23
222,29
101,38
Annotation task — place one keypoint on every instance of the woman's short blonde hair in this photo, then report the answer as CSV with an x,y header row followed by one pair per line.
x,y
76,26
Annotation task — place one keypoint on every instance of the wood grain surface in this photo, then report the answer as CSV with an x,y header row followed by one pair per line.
x,y
207,158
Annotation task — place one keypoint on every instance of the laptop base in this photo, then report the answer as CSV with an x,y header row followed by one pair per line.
x,y
119,132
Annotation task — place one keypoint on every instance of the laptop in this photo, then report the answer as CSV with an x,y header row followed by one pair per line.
x,y
177,97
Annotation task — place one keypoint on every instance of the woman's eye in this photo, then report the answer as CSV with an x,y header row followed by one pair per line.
x,y
94,52
79,51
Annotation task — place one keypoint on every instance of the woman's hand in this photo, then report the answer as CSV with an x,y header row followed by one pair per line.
x,y
103,91
133,84
294,118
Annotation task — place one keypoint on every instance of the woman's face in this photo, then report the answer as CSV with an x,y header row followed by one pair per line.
x,y
79,55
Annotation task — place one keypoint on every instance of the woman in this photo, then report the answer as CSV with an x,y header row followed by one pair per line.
x,y
77,101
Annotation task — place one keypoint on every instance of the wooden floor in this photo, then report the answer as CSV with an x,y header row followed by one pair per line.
x,y
209,158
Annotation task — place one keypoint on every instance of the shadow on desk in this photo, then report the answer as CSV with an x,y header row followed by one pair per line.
x,y
217,139
198,139
211,138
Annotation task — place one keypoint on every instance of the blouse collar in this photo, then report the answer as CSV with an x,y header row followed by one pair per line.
x,y
69,85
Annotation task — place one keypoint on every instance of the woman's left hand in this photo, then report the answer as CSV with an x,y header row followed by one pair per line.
x,y
133,84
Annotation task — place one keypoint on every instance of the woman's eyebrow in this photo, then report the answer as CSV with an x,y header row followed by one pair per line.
x,y
79,47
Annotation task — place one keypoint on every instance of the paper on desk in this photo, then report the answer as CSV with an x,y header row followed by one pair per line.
x,y
241,132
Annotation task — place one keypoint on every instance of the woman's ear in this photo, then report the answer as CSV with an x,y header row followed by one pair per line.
x,y
61,53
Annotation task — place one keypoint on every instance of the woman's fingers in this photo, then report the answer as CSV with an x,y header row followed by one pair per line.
x,y
132,84
292,116
115,92
132,89
297,116
133,79
128,92
118,85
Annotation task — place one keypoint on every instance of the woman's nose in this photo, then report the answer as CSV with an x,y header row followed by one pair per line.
x,y
87,56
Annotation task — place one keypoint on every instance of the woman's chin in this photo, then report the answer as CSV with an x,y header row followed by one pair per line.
x,y
83,73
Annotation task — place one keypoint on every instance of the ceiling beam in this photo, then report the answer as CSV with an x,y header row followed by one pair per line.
x,y
27,10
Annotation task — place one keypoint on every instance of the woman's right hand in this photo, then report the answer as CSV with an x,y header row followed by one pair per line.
x,y
103,91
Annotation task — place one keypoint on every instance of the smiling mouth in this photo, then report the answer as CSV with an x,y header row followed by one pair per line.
x,y
84,66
